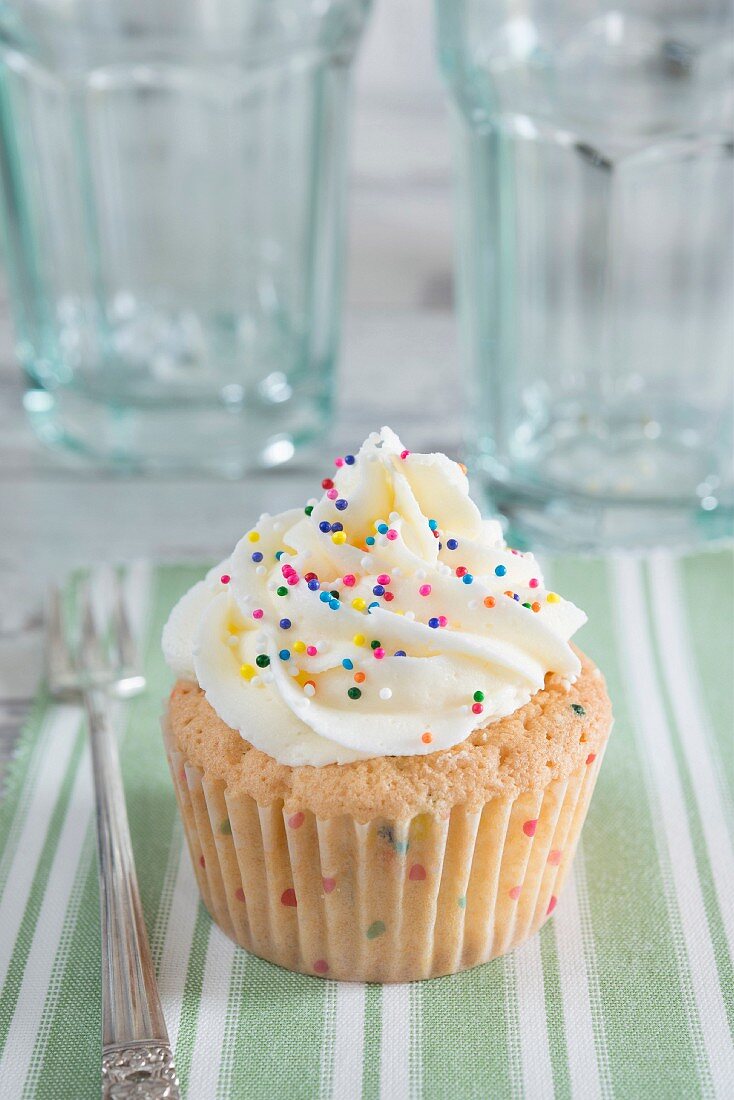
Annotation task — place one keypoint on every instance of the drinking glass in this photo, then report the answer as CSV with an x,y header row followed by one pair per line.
x,y
172,177
595,261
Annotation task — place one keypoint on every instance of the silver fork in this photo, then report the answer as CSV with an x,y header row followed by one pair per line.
x,y
137,1061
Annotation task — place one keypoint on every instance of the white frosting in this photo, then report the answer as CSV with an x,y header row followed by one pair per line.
x,y
298,709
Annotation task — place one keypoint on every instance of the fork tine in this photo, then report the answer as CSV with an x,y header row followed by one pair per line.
x,y
59,658
122,640
91,649
114,624
129,675
128,642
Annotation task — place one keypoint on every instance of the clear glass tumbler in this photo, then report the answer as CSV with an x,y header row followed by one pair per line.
x,y
595,261
172,176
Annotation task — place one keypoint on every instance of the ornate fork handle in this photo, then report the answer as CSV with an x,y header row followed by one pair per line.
x,y
137,1061
140,1071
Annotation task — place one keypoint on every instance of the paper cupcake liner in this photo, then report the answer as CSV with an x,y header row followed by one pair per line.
x,y
385,901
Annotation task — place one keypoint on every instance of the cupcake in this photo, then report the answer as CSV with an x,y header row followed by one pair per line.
x,y
382,742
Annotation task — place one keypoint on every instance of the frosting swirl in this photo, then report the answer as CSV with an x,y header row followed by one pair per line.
x,y
386,619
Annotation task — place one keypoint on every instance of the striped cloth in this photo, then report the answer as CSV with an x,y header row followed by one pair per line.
x,y
627,992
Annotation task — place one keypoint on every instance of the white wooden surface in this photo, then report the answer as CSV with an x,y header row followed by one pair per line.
x,y
398,366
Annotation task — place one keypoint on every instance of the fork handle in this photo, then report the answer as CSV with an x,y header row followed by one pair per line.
x,y
137,1061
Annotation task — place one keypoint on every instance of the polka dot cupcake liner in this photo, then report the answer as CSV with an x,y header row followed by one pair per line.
x,y
383,901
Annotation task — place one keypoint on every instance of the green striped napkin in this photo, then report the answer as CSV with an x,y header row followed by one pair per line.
x,y
627,992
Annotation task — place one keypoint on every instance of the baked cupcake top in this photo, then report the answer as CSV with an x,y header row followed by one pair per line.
x,y
387,618
563,728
